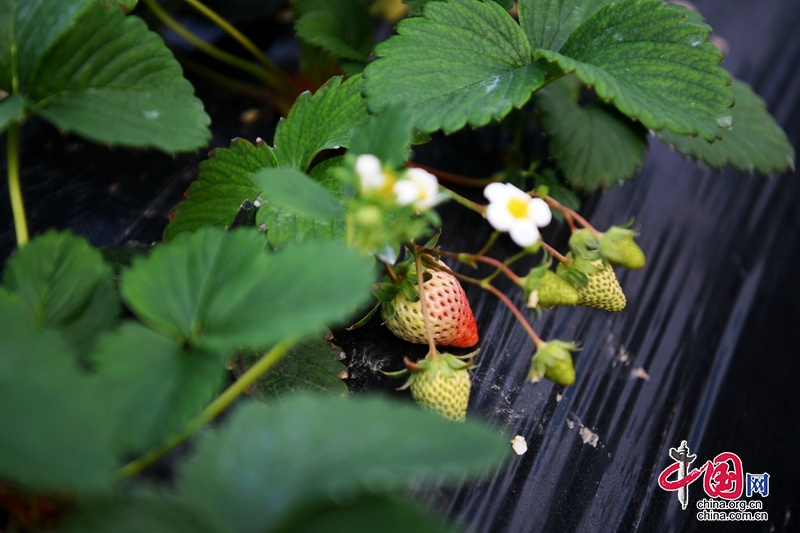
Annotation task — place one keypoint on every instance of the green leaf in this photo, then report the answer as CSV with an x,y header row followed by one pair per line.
x,y
755,142
325,120
54,433
141,513
100,74
291,190
219,290
113,81
284,227
548,23
31,26
308,450
170,122
223,182
12,108
125,5
653,64
462,62
386,135
394,516
341,27
417,5
64,285
592,144
152,385
312,365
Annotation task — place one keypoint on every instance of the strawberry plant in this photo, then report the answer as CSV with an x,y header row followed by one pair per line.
x,y
108,365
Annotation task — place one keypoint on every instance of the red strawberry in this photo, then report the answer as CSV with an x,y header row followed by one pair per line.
x,y
448,310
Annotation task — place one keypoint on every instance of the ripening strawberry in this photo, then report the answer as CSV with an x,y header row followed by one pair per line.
x,y
441,384
451,317
603,290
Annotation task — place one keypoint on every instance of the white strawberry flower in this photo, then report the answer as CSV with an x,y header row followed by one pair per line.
x,y
370,173
514,211
418,187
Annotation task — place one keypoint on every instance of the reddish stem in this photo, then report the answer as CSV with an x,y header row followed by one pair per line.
x,y
453,178
555,253
390,272
569,214
481,258
520,318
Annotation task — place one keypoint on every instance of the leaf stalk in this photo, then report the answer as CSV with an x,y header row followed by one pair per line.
x,y
14,188
222,402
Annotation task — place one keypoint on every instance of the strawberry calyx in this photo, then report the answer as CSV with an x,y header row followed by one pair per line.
x,y
444,364
440,383
553,361
615,246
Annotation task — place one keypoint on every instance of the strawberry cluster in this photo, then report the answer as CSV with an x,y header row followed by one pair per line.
x,y
422,301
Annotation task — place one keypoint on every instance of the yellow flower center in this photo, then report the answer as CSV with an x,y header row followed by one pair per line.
x,y
518,208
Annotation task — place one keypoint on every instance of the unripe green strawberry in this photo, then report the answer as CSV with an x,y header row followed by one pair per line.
x,y
555,290
628,255
603,290
450,315
553,361
562,372
440,384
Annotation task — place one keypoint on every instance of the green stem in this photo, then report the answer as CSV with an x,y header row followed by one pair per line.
x,y
469,204
14,188
253,91
279,80
210,49
489,243
504,268
210,412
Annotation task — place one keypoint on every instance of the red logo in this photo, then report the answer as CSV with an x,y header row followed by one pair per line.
x,y
723,476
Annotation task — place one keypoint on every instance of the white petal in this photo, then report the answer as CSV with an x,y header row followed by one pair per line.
x,y
406,192
514,192
424,180
424,204
368,164
539,212
533,299
499,217
524,233
368,168
519,445
497,192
